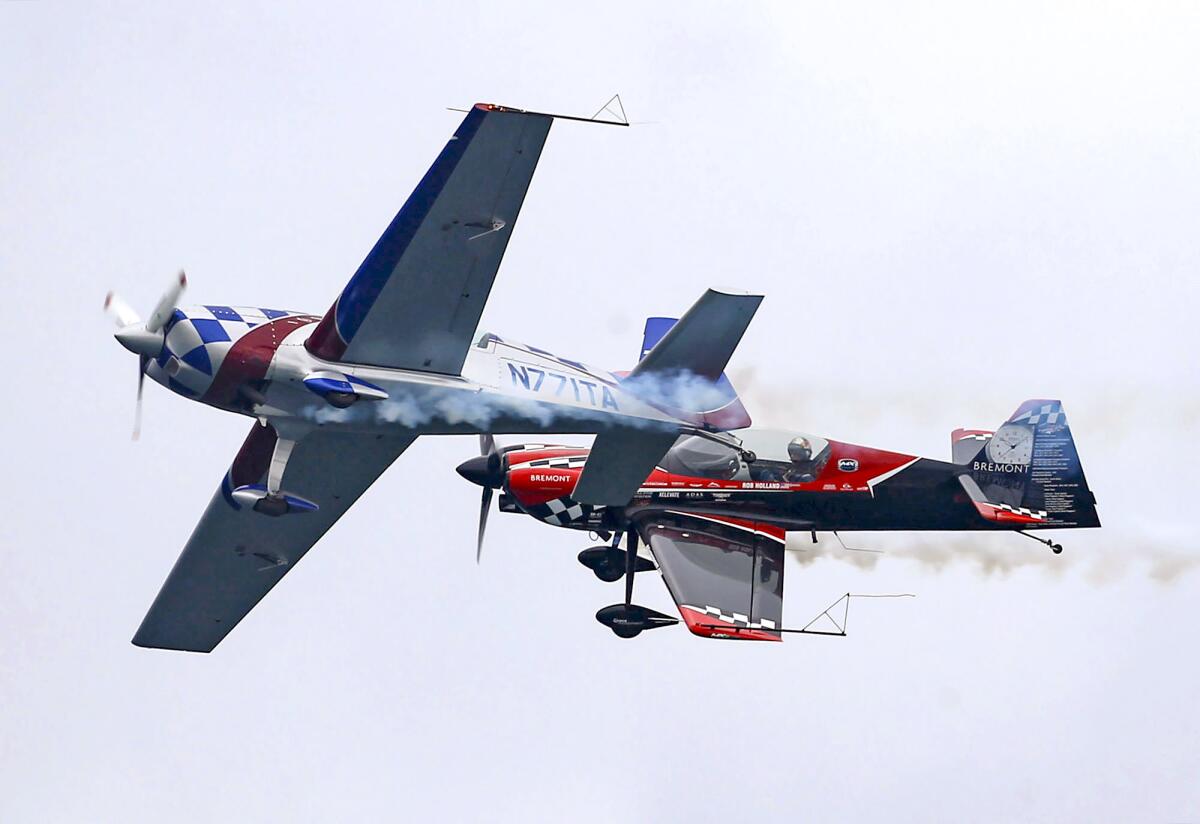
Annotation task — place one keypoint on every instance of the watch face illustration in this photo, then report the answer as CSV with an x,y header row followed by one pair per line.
x,y
1012,444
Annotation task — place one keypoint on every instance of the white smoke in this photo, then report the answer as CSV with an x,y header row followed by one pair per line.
x,y
675,391
679,390
1100,559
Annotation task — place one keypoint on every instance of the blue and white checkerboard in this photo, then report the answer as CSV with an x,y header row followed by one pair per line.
x,y
197,340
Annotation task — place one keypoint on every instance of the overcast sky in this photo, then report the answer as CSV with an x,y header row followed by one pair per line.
x,y
950,210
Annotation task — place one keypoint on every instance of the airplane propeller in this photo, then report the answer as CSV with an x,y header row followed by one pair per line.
x,y
143,339
486,471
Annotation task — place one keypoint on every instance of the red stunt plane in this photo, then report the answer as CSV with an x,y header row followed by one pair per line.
x,y
713,514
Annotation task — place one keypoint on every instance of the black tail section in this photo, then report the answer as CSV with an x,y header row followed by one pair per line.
x,y
1029,468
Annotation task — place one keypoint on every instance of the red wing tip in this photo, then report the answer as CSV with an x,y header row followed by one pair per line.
x,y
707,625
108,299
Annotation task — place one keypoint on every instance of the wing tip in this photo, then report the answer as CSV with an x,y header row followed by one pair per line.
x,y
142,641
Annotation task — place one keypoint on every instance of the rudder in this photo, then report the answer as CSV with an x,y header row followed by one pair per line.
x,y
1030,468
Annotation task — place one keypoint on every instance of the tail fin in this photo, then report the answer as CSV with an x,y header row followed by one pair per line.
x,y
1028,471
699,347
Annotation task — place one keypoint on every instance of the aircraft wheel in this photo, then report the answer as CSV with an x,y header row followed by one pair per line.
x,y
1056,549
609,574
626,631
273,505
341,400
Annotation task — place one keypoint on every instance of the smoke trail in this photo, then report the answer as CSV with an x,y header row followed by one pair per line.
x,y
677,390
1103,559
677,393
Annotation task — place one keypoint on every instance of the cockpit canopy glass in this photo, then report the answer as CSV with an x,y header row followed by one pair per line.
x,y
700,457
764,455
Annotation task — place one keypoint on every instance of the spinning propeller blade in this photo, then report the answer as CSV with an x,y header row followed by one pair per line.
x,y
485,504
487,448
166,304
119,310
143,361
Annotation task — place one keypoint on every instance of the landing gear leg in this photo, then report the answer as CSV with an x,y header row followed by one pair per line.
x,y
631,548
608,563
1055,548
627,620
273,500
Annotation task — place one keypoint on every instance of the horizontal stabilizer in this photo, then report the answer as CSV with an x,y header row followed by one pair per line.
x,y
966,444
725,409
619,463
703,340
682,373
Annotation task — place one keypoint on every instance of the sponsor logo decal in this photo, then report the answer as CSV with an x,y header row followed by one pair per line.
x,y
848,465
553,479
988,466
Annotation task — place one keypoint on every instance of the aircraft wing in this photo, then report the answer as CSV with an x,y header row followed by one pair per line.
x,y
415,302
725,574
236,555
618,464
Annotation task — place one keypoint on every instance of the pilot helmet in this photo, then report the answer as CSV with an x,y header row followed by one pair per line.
x,y
800,450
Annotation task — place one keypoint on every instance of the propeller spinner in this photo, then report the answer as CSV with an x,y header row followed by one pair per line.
x,y
143,339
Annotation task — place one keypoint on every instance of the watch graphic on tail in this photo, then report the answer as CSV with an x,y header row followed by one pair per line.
x,y
1011,444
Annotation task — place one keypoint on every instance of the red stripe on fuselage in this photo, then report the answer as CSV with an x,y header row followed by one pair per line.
x,y
249,358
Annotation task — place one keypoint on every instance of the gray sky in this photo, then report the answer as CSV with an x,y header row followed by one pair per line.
x,y
950,209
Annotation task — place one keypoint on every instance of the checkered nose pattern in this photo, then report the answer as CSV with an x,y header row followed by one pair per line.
x,y
197,340
561,511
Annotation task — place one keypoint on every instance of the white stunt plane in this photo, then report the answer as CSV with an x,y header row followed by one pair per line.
x,y
337,398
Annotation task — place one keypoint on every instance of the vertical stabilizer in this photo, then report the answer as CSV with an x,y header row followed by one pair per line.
x,y
1030,468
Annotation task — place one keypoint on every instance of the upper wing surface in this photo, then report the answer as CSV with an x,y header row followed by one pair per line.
x,y
415,302
726,575
236,555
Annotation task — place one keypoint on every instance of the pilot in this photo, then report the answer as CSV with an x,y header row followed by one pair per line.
x,y
800,454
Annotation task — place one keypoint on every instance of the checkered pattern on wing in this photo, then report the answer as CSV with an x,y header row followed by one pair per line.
x,y
1022,510
735,618
561,511
1047,413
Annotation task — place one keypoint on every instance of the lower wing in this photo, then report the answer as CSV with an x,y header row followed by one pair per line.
x,y
236,555
725,574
